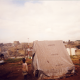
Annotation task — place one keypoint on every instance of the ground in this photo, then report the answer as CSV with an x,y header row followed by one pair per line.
x,y
13,71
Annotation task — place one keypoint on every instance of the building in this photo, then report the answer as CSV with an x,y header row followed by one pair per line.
x,y
77,42
71,51
16,43
77,52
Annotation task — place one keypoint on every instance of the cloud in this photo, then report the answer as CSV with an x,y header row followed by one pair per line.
x,y
46,20
48,30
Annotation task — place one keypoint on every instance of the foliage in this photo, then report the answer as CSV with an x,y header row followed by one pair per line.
x,y
13,60
29,62
73,56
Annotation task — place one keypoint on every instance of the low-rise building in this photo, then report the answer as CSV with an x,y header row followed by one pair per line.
x,y
77,52
77,42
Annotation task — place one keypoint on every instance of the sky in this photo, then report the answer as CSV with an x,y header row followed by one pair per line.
x,y
39,20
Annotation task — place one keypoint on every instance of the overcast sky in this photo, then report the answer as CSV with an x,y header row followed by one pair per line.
x,y
39,20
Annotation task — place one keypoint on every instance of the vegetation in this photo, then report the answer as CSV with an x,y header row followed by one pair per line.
x,y
29,62
73,56
13,60
75,59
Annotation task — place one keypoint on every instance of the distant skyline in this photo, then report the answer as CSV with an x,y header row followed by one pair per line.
x,y
39,20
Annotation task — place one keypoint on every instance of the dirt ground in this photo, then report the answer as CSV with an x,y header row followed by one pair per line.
x,y
13,71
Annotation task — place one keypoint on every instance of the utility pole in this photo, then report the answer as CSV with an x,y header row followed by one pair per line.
x,y
28,47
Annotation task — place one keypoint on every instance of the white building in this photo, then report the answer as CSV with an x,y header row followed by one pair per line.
x,y
71,51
